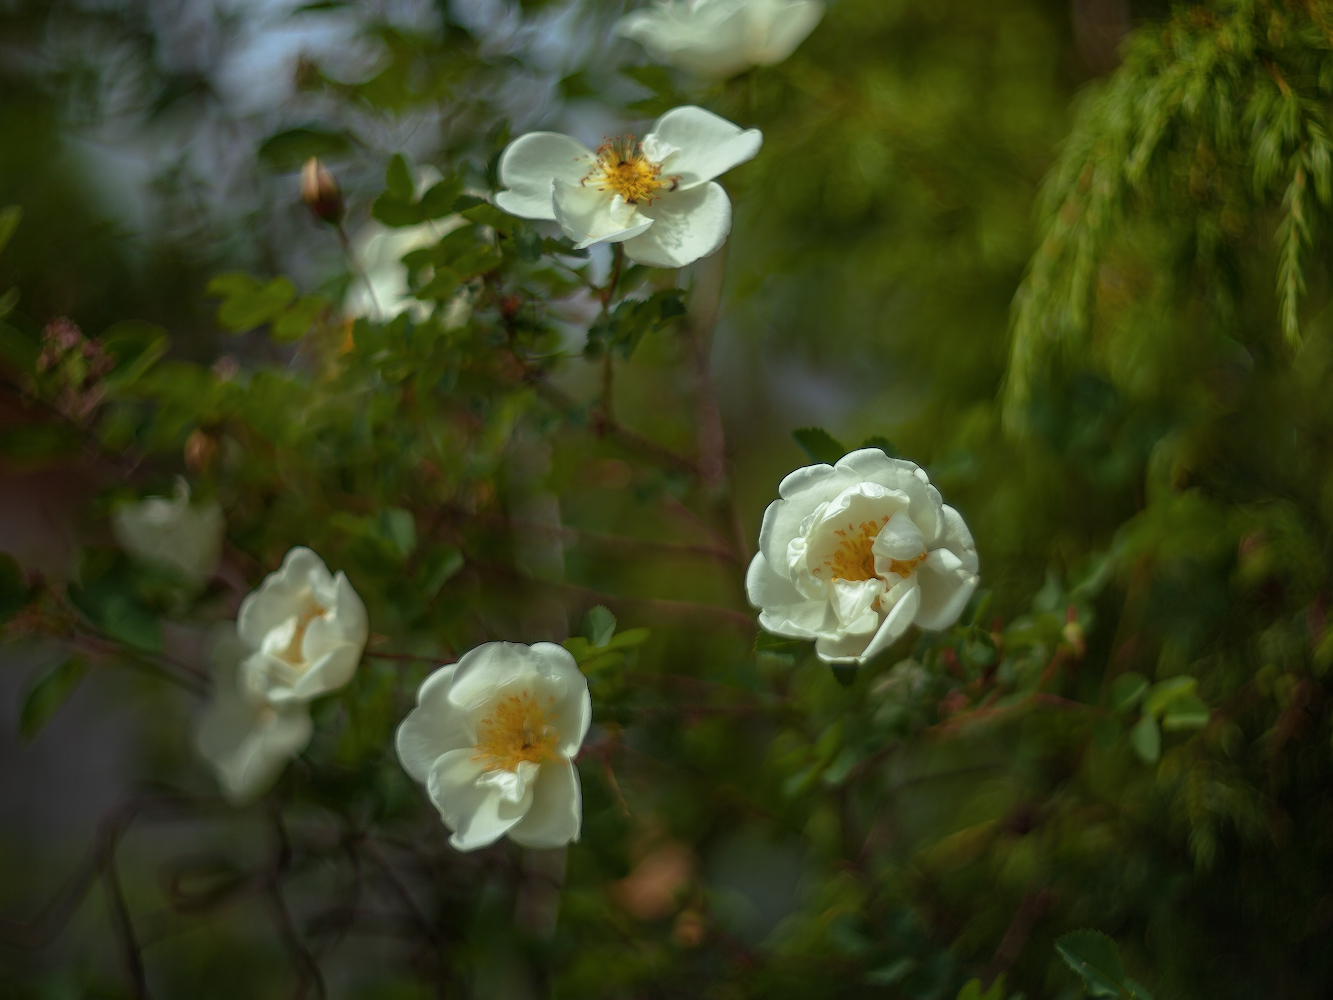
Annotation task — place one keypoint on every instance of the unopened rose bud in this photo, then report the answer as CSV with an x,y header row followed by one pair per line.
x,y
320,192
201,451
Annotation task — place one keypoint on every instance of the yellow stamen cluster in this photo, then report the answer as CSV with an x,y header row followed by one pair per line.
x,y
854,558
294,653
518,729
623,168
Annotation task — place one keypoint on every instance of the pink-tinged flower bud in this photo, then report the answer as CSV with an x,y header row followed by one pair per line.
x,y
321,193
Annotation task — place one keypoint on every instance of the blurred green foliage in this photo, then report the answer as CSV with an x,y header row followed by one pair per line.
x,y
1103,331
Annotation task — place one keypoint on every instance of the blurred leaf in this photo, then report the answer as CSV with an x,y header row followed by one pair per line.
x,y
442,285
39,442
844,673
1146,739
439,200
439,568
529,247
599,625
488,215
287,151
398,178
14,589
565,249
17,347
624,328
819,444
10,216
46,697
972,990
1186,712
884,445
1167,691
1126,690
136,347
8,301
889,974
1096,959
247,302
401,528
295,321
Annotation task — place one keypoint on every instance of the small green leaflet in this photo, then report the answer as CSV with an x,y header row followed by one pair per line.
x,y
46,696
819,444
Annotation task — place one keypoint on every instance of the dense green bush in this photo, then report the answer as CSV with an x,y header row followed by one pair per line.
x,y
1103,332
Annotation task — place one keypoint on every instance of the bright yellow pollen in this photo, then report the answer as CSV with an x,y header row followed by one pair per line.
x,y
294,654
623,168
854,560
518,729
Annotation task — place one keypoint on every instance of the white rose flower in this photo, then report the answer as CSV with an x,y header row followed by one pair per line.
x,y
304,631
855,553
382,291
493,738
657,196
720,38
172,533
246,739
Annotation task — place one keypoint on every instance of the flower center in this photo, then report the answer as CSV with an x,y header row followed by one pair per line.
x,y
854,559
294,654
518,729
623,168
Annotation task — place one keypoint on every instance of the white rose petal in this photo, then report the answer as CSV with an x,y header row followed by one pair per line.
x,y
247,741
172,533
494,738
856,553
657,197
720,38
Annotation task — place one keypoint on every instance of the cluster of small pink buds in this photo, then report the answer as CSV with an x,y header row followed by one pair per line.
x,y
77,366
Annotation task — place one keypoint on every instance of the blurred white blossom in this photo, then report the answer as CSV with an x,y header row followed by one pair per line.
x,y
248,740
493,738
720,38
381,291
656,196
300,635
172,533
855,553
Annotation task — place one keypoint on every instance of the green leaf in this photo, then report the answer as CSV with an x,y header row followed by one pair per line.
x,y
398,178
1137,990
972,990
889,974
883,444
439,200
844,673
488,215
553,246
1096,959
1165,692
50,692
108,600
401,528
395,212
39,442
1126,690
8,301
439,568
247,302
529,247
136,347
819,444
1146,739
10,216
14,590
442,285
286,151
1189,712
599,625
297,319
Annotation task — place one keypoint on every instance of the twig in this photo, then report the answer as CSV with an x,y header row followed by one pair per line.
x,y
419,918
124,928
307,967
1029,911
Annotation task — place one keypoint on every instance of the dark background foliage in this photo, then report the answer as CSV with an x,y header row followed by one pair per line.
x,y
1082,282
